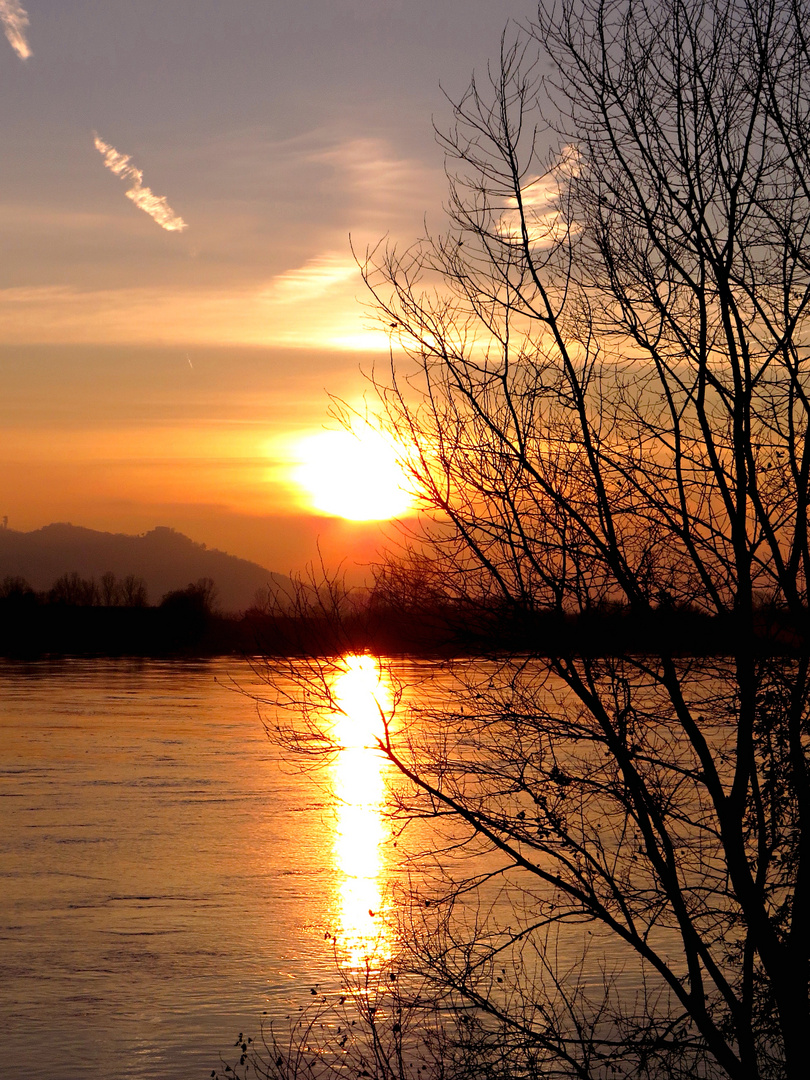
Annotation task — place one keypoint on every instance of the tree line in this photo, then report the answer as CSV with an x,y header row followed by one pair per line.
x,y
108,616
73,590
397,615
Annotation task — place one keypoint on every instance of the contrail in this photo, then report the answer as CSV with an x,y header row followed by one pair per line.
x,y
143,197
14,18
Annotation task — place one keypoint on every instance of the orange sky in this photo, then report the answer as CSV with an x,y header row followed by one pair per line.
x,y
206,440
178,294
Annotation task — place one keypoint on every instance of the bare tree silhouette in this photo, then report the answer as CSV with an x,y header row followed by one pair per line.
x,y
600,372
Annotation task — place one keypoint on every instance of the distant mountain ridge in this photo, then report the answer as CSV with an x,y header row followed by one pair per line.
x,y
164,558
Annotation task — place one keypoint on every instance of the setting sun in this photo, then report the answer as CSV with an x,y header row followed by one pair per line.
x,y
354,474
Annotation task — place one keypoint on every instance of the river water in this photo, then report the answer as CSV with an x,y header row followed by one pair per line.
x,y
167,873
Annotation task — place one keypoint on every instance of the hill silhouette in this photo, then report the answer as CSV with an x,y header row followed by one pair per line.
x,y
166,560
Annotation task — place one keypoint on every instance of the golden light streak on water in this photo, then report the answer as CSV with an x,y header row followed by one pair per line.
x,y
362,698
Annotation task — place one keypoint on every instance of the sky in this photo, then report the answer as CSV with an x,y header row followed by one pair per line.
x,y
179,180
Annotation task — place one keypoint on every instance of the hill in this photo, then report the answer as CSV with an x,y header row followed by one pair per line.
x,y
164,558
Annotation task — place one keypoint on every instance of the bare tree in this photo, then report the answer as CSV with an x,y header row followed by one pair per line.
x,y
600,371
198,597
132,591
74,590
110,589
13,586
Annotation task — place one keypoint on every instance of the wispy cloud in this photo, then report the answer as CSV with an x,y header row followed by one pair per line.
x,y
50,314
542,214
144,198
370,170
14,18
314,279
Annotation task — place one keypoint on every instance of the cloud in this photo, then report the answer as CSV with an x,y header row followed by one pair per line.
x,y
14,18
51,314
542,213
371,169
144,198
314,279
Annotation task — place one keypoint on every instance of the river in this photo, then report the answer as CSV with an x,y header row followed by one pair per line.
x,y
168,873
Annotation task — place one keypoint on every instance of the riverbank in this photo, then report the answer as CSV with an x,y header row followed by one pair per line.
x,y
35,630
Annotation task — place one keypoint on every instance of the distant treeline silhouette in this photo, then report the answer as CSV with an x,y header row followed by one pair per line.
x,y
73,590
112,616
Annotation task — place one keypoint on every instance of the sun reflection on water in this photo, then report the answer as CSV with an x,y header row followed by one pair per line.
x,y
363,700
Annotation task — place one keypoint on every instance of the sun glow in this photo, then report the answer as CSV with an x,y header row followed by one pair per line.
x,y
362,700
357,474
